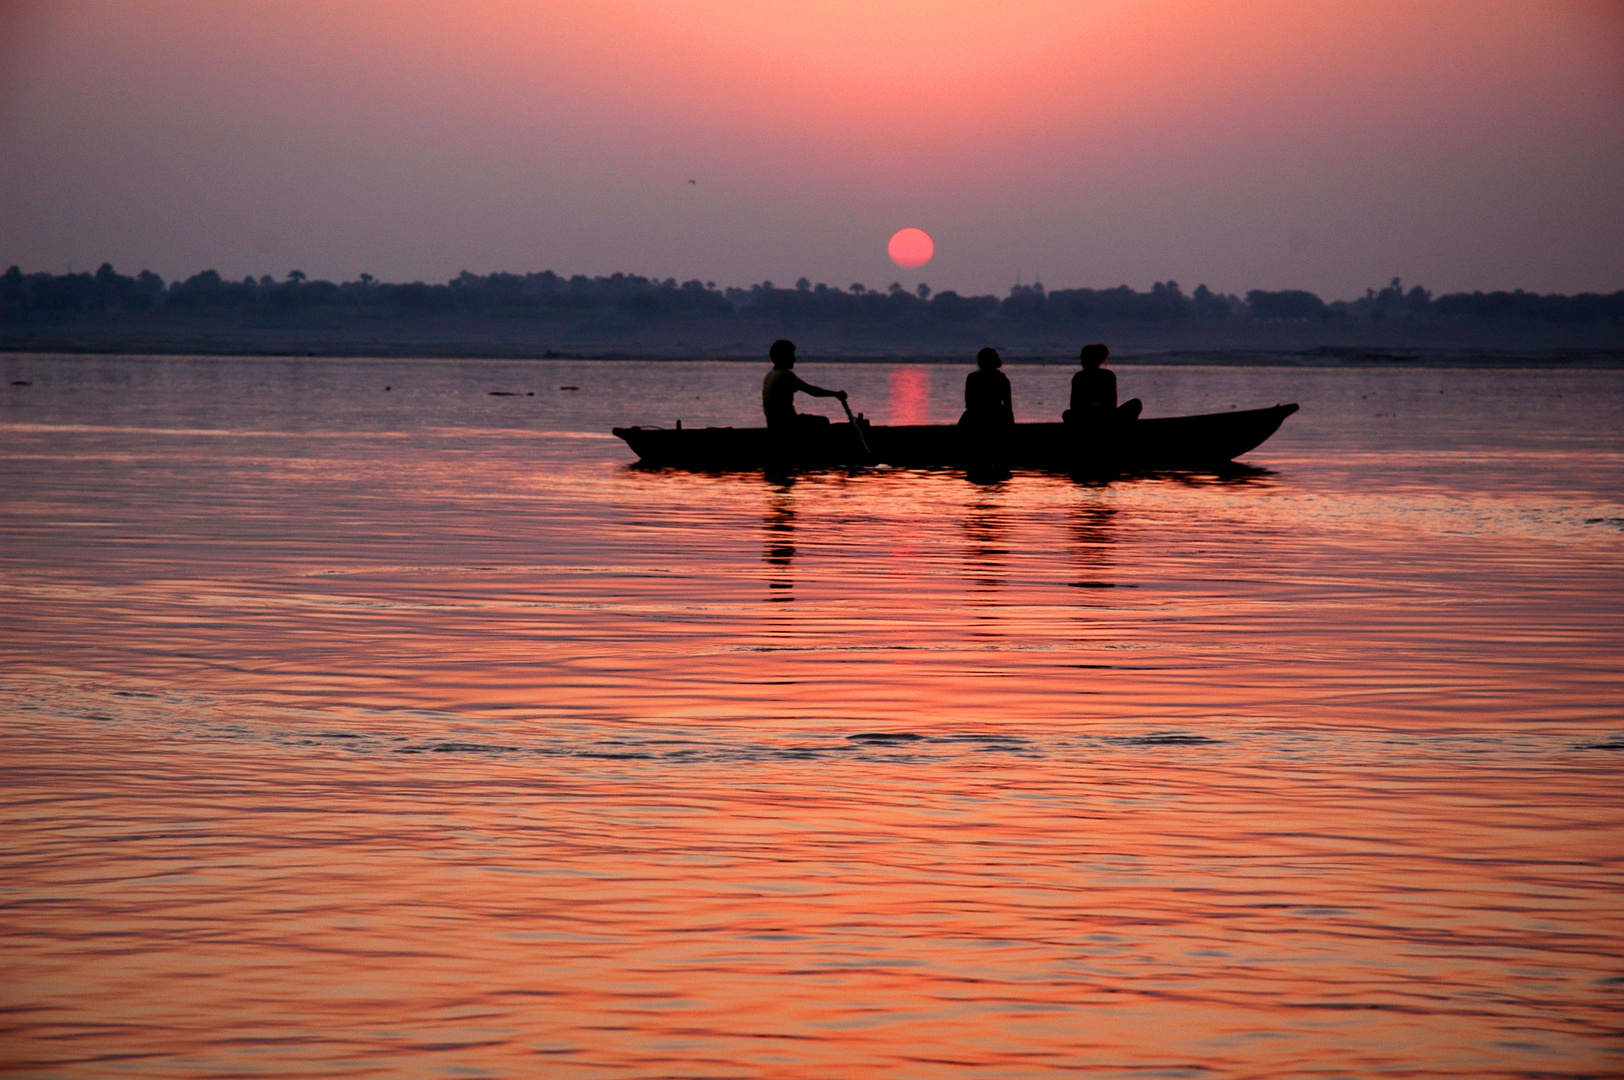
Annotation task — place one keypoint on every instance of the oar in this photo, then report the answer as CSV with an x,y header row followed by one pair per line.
x,y
855,426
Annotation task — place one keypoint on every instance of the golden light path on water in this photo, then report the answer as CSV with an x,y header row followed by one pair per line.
x,y
353,733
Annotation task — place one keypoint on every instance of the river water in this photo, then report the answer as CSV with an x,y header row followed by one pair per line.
x,y
358,722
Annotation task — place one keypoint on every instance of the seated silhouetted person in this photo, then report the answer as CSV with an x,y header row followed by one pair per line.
x,y
986,394
779,389
1094,392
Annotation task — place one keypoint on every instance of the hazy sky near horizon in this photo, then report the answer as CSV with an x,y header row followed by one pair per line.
x,y
1460,144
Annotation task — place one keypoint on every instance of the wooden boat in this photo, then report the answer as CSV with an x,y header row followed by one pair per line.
x,y
1170,442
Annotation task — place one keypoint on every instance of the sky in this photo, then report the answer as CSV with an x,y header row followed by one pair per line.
x,y
1457,144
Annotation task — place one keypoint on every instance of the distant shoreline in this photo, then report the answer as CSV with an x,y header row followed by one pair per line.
x,y
1320,357
547,316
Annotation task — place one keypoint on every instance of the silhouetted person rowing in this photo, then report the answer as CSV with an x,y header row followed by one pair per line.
x,y
778,392
986,394
1094,392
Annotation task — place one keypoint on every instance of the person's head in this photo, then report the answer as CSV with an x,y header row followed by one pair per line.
x,y
987,359
783,354
1094,355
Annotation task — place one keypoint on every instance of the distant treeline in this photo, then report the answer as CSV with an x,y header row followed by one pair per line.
x,y
629,297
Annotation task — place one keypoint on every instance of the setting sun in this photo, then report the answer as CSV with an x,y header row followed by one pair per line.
x,y
911,248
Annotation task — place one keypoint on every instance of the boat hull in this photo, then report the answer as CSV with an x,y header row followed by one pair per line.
x,y
1171,442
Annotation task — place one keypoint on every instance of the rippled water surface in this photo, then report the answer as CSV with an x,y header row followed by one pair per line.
x,y
354,732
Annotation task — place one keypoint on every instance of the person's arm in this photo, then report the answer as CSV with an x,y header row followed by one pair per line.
x,y
817,391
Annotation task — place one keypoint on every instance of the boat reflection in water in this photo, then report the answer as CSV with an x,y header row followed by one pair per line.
x,y
986,543
779,526
1092,528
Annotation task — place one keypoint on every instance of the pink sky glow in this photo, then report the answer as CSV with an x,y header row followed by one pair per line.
x,y
1268,144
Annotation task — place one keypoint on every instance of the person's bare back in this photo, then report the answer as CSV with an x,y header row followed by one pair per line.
x,y
1094,391
779,388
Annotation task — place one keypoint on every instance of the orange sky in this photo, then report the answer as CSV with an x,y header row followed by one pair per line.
x,y
1246,144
